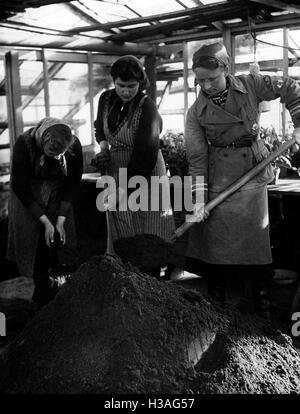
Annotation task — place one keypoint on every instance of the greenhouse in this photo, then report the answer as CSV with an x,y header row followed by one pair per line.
x,y
149,188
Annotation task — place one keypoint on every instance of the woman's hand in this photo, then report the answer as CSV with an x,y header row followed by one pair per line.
x,y
49,230
60,227
200,212
101,161
113,201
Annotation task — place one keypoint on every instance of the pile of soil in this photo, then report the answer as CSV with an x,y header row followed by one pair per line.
x,y
113,329
148,251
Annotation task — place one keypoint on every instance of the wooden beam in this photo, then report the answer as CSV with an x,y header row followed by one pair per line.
x,y
193,11
91,95
78,11
292,20
285,73
185,80
228,43
46,84
291,7
218,25
14,101
165,93
179,24
95,45
150,67
267,65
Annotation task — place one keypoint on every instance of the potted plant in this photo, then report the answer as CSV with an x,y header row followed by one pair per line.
x,y
173,149
272,141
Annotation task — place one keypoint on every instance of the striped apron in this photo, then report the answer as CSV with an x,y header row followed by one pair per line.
x,y
131,223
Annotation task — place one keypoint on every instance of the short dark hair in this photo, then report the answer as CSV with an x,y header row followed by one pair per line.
x,y
127,70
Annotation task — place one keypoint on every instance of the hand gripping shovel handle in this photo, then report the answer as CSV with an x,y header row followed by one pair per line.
x,y
239,183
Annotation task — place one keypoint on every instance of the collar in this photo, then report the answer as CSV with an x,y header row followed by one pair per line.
x,y
233,82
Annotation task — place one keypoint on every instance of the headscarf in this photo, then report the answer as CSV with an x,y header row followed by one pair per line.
x,y
39,130
66,139
214,50
144,83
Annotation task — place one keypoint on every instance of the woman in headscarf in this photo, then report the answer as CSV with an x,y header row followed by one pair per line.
x,y
46,171
127,127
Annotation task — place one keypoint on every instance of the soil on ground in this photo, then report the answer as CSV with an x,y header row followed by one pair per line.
x,y
148,251
113,329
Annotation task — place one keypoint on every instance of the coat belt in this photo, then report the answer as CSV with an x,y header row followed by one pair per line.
x,y
244,141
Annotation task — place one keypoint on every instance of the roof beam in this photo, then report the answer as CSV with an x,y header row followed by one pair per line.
x,y
179,24
157,17
84,15
93,44
218,25
291,7
291,20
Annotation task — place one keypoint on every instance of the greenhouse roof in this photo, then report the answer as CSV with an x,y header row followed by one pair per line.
x,y
101,25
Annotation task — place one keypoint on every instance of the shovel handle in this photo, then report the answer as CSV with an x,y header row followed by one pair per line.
x,y
239,183
109,245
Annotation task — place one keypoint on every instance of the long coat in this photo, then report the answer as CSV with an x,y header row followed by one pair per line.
x,y
237,231
35,191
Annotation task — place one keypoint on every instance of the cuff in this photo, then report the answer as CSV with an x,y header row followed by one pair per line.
x,y
200,193
36,210
64,208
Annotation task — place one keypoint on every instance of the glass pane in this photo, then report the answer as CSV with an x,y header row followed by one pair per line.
x,y
4,156
268,52
69,99
32,90
109,11
147,8
174,123
52,16
101,82
4,136
31,72
2,73
3,107
33,109
294,43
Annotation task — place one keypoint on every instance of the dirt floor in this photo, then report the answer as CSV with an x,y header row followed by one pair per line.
x,y
113,329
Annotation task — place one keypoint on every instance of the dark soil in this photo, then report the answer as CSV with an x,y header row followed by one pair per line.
x,y
113,329
148,251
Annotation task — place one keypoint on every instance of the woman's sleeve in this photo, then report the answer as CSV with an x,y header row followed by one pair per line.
x,y
146,144
73,178
98,124
197,155
21,178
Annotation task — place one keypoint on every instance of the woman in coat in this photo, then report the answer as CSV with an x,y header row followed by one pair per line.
x,y
222,138
128,126
45,175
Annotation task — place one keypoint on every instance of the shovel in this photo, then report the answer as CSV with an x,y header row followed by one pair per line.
x,y
238,184
109,241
